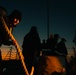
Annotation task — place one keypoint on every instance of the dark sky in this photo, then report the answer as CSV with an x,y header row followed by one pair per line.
x,y
62,17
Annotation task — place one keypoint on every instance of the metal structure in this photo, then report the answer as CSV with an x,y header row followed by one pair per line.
x,y
47,18
74,41
11,54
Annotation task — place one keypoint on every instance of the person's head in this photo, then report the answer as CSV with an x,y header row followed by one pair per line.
x,y
33,29
51,36
63,39
56,36
15,17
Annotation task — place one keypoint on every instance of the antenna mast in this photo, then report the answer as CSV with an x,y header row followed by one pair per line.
x,y
47,18
74,41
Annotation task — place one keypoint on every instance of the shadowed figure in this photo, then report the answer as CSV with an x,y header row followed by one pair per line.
x,y
31,47
49,62
44,44
11,21
51,44
62,50
61,47
54,42
49,41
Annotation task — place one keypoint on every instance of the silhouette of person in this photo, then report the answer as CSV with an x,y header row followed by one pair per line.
x,y
62,50
55,41
11,21
44,44
49,41
31,47
61,47
50,63
51,44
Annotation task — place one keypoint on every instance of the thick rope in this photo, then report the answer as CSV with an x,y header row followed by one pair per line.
x,y
16,45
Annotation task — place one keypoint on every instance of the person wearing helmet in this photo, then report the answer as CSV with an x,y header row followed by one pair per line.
x,y
61,47
12,21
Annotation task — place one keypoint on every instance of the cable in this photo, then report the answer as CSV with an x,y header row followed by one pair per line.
x,y
15,43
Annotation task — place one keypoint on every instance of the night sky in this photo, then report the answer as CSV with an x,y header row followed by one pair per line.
x,y
62,18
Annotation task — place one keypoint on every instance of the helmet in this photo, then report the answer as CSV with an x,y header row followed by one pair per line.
x,y
56,35
16,14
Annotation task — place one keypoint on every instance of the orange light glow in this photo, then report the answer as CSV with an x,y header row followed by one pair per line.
x,y
8,54
16,21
